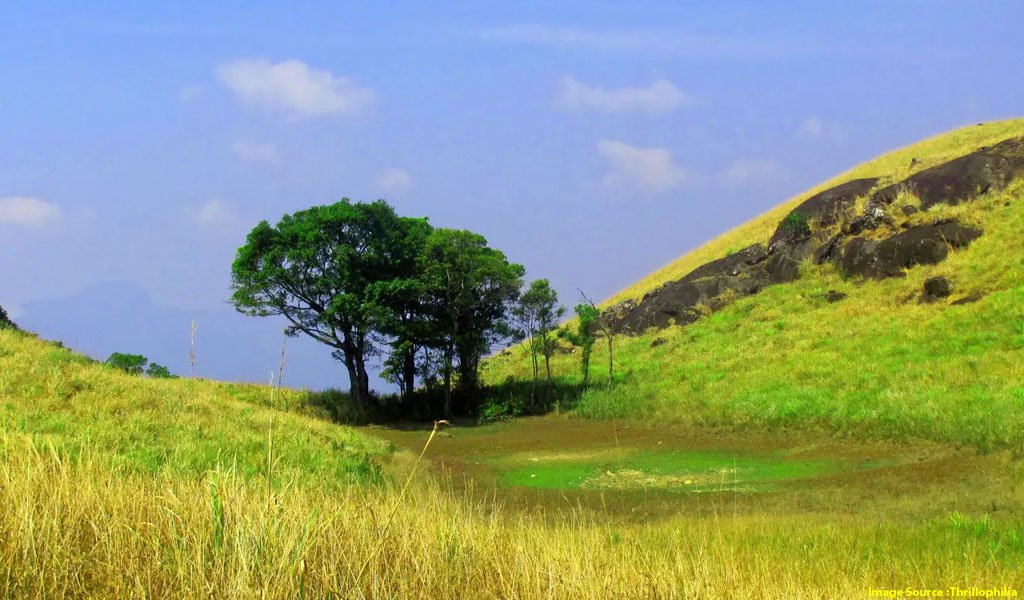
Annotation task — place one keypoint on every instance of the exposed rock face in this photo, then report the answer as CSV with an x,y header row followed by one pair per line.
x,y
825,209
920,245
823,229
677,301
964,178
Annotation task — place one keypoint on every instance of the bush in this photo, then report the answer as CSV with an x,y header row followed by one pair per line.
x,y
5,321
133,364
158,371
795,225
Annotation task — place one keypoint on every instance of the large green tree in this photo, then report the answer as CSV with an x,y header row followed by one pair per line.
x,y
326,270
468,290
402,318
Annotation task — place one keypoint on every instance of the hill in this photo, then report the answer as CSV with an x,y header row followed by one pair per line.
x,y
816,313
53,398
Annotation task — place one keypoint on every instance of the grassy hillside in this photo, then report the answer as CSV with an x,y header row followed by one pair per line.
x,y
53,398
877,363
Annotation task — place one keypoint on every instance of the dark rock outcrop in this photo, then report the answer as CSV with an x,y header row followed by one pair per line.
x,y
920,245
962,179
658,342
824,209
935,289
678,301
834,296
869,245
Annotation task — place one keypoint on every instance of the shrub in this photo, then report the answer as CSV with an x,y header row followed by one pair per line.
x,y
795,225
133,364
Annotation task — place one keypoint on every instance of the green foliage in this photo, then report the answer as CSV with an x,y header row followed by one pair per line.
x,y
158,371
795,225
5,321
133,364
329,270
469,289
584,336
537,312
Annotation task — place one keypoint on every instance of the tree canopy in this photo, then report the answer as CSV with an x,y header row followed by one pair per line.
x,y
365,281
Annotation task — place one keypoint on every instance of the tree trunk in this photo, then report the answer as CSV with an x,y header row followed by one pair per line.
x,y
586,367
448,382
611,362
357,386
409,372
536,372
547,367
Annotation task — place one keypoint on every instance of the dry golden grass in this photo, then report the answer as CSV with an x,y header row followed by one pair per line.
x,y
75,530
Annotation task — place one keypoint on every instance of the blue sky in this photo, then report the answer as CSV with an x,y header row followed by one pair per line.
x,y
591,141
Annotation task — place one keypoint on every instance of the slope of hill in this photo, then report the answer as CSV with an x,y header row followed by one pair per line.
x,y
848,341
51,397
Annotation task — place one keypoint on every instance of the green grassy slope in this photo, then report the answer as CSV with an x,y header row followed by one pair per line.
x,y
52,397
876,363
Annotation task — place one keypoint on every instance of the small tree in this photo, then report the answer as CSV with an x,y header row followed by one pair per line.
x,y
584,336
133,364
158,371
602,325
537,313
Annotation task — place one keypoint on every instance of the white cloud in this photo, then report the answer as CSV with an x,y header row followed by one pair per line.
x,y
393,179
816,128
294,87
744,172
256,152
649,169
27,212
215,214
659,97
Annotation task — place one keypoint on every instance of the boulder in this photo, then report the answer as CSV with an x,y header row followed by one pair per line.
x,y
962,179
658,342
919,245
936,288
834,296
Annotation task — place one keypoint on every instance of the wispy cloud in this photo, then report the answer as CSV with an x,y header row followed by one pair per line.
x,y
647,169
294,87
393,179
660,96
215,215
752,172
816,128
661,42
27,212
256,152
